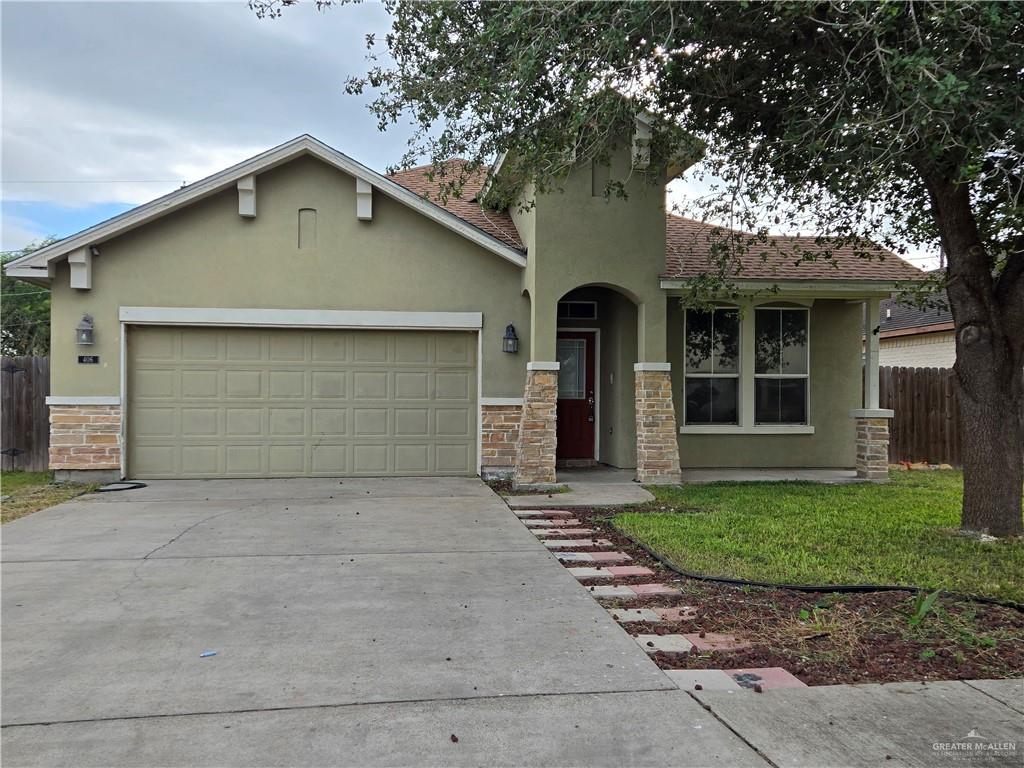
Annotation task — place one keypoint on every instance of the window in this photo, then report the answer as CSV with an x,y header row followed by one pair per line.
x,y
577,310
711,367
780,366
572,369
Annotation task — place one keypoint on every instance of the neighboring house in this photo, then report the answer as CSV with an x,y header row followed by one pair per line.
x,y
916,338
299,314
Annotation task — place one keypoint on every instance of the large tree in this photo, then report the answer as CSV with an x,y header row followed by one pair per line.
x,y
896,121
24,311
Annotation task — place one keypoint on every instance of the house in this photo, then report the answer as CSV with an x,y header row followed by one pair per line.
x,y
299,314
916,338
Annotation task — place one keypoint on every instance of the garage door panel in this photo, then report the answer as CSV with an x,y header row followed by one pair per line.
x,y
412,385
329,384
412,459
452,385
287,384
243,460
243,384
243,347
200,422
370,459
452,456
200,384
300,402
330,421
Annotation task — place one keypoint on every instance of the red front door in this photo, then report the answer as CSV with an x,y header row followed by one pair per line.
x,y
576,403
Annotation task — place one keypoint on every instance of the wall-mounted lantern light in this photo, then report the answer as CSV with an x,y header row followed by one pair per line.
x,y
84,331
510,342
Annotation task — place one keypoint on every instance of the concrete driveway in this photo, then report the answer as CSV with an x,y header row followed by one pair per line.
x,y
362,622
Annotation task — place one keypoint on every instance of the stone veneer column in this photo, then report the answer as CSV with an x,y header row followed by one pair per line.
x,y
499,431
537,440
657,446
872,443
85,439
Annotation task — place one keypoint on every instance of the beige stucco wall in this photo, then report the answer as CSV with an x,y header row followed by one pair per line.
x,y
581,239
924,350
208,256
835,338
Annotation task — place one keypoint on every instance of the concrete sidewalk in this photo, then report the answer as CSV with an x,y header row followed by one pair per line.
x,y
590,487
979,722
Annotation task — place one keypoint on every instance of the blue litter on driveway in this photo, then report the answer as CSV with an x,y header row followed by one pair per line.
x,y
207,654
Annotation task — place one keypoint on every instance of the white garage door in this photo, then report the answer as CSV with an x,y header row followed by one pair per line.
x,y
209,402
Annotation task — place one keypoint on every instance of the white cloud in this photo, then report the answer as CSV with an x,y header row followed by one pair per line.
x,y
16,233
104,98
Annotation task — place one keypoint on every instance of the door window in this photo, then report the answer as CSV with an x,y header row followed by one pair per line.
x,y
572,371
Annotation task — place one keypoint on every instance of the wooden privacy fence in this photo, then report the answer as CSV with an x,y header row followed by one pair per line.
x,y
926,425
24,417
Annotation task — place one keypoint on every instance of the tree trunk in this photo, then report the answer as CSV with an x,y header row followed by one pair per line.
x,y
989,327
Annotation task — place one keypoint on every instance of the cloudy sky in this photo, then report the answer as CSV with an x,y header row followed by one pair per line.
x,y
109,105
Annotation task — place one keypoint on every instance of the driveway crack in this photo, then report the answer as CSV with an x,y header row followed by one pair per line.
x,y
118,593
196,525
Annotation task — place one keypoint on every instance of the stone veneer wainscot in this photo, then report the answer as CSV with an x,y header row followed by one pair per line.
x,y
85,437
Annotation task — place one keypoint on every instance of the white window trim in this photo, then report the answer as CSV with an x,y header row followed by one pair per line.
x,y
746,405
805,376
698,375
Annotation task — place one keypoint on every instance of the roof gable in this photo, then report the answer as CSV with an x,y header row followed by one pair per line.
x,y
38,265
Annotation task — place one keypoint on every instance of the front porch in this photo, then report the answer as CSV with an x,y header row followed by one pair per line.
x,y
614,394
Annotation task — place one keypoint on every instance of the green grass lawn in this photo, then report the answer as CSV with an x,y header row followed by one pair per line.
x,y
805,533
28,492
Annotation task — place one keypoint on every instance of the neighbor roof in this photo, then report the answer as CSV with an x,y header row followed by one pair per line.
x,y
899,317
688,245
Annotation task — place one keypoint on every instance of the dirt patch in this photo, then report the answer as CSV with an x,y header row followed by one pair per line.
x,y
25,501
826,638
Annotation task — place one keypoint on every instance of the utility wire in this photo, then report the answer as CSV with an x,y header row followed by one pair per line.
x,y
92,181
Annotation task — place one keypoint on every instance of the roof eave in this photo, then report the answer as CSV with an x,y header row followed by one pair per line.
x,y
837,287
218,182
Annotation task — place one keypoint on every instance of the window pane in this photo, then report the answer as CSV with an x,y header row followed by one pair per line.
x,y
792,401
698,341
794,341
780,401
572,371
767,348
711,401
698,401
723,401
727,341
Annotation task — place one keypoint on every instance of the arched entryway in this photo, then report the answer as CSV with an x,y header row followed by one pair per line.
x,y
596,349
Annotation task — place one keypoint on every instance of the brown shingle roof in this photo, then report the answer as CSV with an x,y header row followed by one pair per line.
x,y
688,243
497,224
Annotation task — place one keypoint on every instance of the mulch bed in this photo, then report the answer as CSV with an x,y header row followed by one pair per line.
x,y
822,639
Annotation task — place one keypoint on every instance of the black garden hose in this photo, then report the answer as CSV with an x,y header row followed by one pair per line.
x,y
121,485
813,588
